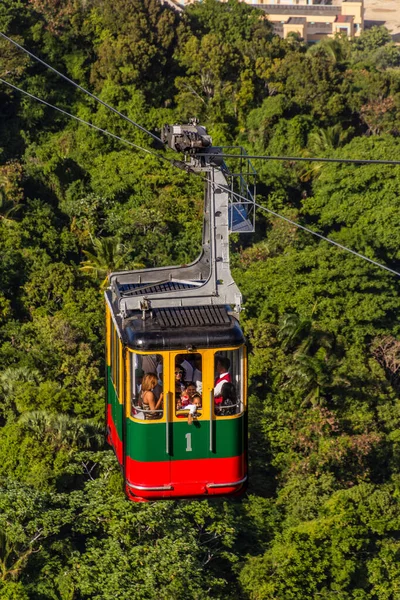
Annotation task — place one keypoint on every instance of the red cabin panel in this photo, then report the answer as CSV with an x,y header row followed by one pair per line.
x,y
204,477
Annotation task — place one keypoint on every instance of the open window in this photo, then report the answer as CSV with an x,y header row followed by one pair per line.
x,y
188,369
228,384
147,386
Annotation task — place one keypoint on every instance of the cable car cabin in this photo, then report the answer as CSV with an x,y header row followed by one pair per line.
x,y
176,450
176,357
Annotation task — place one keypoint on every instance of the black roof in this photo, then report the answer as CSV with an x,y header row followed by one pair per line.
x,y
201,316
211,326
138,289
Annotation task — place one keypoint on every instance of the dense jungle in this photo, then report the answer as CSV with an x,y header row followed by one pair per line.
x,y
321,516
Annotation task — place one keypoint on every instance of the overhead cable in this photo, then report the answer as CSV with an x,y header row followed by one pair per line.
x,y
155,137
64,112
303,159
181,165
295,224
326,239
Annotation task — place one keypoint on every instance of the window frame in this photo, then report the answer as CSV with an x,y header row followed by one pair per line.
x,y
240,385
145,415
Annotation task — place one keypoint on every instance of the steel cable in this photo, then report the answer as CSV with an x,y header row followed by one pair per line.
x,y
155,137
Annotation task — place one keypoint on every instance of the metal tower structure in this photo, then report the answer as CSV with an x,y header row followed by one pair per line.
x,y
229,206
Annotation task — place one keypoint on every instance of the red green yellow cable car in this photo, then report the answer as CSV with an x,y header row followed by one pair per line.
x,y
176,357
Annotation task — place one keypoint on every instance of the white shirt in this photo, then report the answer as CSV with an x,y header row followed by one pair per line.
x,y
222,378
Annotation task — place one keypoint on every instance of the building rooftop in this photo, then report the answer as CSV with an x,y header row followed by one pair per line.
x,y
289,9
296,20
344,19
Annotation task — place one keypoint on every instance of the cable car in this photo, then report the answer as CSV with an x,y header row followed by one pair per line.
x,y
176,355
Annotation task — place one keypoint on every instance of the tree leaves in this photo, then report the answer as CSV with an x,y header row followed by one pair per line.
x,y
321,516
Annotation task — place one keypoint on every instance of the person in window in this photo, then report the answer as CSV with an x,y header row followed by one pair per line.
x,y
222,365
152,363
151,399
195,403
180,385
185,363
187,394
228,406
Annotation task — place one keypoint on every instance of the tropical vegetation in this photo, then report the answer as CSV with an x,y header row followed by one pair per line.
x,y
321,517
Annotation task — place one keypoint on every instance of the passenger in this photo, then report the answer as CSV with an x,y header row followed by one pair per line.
x,y
187,366
187,394
193,406
191,389
228,405
180,387
151,363
151,399
222,366
179,380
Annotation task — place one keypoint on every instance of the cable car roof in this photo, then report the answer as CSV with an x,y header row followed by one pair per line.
x,y
211,326
202,316
137,289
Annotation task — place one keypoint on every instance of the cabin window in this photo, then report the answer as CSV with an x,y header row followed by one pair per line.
x,y
116,362
147,386
188,390
114,358
228,384
112,344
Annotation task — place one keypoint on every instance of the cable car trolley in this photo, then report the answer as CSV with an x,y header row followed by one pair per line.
x,y
176,355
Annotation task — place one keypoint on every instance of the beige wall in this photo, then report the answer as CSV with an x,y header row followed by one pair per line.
x,y
355,9
295,28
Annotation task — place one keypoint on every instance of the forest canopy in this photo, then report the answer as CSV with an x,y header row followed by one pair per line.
x,y
321,516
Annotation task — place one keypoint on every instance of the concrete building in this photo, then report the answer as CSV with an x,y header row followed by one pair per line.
x,y
310,20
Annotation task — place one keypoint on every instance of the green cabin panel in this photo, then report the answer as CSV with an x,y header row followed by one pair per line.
x,y
146,442
117,409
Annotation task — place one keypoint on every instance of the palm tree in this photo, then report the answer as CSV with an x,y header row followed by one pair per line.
x,y
10,380
63,431
313,363
336,49
107,256
314,375
300,331
322,142
293,329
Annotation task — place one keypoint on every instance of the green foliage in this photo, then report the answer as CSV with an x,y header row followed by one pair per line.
x,y
331,554
321,516
134,43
